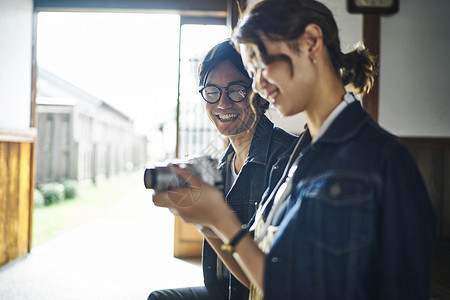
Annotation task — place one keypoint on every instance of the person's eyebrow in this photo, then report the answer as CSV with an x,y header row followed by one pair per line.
x,y
243,82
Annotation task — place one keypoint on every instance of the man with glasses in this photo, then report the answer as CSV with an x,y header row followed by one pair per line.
x,y
256,150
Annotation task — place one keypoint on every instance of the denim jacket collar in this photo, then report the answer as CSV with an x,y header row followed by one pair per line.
x,y
259,148
350,121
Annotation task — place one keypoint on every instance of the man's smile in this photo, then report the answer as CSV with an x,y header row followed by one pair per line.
x,y
227,117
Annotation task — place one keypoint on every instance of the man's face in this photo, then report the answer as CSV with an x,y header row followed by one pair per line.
x,y
230,118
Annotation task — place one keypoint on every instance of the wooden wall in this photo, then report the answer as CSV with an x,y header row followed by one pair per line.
x,y
16,199
54,153
432,156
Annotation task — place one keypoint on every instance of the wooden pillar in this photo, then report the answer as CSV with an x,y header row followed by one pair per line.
x,y
371,38
233,7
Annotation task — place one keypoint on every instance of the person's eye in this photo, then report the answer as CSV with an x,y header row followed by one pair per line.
x,y
212,93
241,92
236,90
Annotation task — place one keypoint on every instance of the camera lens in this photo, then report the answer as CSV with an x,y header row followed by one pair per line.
x,y
162,178
149,179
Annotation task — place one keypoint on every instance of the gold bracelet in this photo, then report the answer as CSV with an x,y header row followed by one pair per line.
x,y
230,247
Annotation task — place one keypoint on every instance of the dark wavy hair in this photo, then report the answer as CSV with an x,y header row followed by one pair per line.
x,y
286,20
225,51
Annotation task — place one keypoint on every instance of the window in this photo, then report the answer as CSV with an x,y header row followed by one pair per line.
x,y
197,135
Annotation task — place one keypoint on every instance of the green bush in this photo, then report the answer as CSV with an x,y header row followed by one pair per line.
x,y
38,198
52,192
70,189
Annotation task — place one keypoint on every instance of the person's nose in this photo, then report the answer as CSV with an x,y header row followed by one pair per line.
x,y
259,82
224,102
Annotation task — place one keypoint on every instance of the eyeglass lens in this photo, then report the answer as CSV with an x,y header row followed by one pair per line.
x,y
235,92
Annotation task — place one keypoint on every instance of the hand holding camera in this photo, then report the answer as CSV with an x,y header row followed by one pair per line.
x,y
162,177
196,202
192,189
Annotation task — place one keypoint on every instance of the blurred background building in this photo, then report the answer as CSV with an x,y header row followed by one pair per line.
x,y
82,137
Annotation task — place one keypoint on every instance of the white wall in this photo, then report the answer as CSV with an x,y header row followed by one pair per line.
x,y
415,63
15,63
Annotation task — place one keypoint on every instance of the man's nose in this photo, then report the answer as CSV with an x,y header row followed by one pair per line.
x,y
224,101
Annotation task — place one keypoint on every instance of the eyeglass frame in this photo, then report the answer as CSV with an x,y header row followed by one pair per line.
x,y
220,88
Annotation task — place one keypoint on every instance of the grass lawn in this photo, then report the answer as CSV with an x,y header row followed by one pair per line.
x,y
122,196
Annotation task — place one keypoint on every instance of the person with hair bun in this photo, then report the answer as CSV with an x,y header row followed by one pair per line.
x,y
350,218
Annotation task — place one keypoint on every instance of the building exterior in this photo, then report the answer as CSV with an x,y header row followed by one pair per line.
x,y
81,137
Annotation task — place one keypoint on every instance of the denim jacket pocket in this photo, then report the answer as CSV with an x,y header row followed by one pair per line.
x,y
340,211
243,208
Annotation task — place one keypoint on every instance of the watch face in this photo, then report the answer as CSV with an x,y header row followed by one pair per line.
x,y
374,3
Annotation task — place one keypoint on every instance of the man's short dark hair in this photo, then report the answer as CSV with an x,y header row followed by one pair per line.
x,y
223,51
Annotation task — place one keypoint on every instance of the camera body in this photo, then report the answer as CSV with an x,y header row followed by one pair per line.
x,y
162,177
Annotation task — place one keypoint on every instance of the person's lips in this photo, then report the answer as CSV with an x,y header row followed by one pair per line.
x,y
271,96
227,117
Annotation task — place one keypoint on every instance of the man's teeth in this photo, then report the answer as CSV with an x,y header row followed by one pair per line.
x,y
227,116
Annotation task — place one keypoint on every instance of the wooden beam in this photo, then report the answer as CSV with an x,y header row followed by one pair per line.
x,y
235,7
371,38
89,5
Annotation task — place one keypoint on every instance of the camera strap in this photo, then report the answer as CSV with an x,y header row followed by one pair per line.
x,y
284,186
280,192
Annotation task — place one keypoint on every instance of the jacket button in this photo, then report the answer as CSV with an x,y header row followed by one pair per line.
x,y
274,259
335,190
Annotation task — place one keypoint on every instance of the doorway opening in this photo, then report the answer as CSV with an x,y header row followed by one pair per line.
x,y
105,83
109,86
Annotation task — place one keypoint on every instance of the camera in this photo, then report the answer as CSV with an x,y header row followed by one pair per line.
x,y
162,177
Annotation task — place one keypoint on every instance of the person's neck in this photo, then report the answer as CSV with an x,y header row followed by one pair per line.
x,y
241,144
324,102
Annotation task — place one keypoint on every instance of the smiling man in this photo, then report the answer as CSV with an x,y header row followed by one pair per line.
x,y
257,149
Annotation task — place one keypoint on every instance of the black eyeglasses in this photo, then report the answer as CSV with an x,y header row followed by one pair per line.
x,y
212,93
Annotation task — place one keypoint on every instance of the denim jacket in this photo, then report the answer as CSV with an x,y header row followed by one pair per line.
x,y
359,225
267,157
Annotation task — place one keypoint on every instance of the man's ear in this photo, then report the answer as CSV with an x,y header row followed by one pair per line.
x,y
312,40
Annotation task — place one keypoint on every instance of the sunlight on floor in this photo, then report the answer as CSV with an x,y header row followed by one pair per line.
x,y
109,258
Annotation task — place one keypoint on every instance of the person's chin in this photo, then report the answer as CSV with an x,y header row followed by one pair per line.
x,y
283,111
226,129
